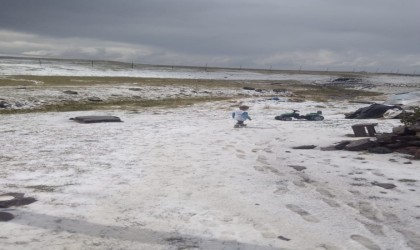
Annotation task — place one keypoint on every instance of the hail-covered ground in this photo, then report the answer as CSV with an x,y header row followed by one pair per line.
x,y
184,178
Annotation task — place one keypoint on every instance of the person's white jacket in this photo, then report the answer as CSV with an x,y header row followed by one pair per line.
x,y
240,115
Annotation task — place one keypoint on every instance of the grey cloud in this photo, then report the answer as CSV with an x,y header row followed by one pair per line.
x,y
232,31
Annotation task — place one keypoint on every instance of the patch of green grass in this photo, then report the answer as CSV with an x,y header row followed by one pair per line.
x,y
301,92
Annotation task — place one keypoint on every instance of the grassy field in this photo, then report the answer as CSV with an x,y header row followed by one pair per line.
x,y
300,91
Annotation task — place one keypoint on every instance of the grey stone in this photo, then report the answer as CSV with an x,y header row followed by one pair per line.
x,y
70,92
4,216
96,119
360,145
384,185
380,150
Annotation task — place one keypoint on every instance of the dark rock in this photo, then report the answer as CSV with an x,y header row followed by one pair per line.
x,y
305,147
360,145
397,145
70,92
4,216
414,143
329,148
341,145
95,99
347,80
384,185
19,104
380,150
96,119
258,90
279,90
283,238
248,88
18,200
408,150
297,168
385,138
406,138
135,89
4,105
16,195
337,146
417,155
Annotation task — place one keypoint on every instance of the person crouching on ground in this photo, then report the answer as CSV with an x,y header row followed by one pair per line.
x,y
241,115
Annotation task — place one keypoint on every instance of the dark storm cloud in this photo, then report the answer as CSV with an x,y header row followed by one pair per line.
x,y
238,31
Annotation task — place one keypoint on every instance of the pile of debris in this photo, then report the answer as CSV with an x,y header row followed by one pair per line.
x,y
376,111
403,139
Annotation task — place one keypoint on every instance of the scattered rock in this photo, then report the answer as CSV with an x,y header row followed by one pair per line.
x,y
70,92
279,90
329,148
347,80
341,145
360,145
94,99
18,200
4,216
248,88
4,105
96,119
297,168
19,104
384,185
380,150
283,238
407,150
385,138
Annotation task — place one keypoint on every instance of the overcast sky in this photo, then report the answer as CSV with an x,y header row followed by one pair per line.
x,y
371,35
